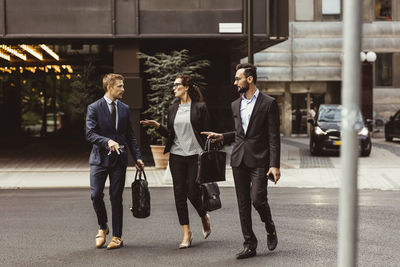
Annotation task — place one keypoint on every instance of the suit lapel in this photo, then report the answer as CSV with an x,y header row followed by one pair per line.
x,y
107,114
255,110
236,106
173,114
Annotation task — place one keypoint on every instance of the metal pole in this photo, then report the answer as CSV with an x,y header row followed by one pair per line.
x,y
348,211
250,32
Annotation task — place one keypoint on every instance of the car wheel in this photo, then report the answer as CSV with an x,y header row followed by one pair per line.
x,y
366,151
314,149
387,137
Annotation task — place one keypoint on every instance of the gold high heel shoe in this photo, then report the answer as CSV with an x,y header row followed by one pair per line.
x,y
187,245
206,230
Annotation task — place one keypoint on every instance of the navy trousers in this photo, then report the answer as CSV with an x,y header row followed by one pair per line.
x,y
98,176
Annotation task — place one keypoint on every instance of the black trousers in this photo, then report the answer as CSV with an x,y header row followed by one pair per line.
x,y
98,176
251,187
184,172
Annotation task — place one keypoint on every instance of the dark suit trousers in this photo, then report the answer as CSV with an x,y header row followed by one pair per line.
x,y
251,187
98,176
184,173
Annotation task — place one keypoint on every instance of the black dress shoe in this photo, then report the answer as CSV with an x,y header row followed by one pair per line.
x,y
272,240
246,253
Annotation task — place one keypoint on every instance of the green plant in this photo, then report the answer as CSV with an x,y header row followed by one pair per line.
x,y
162,69
86,88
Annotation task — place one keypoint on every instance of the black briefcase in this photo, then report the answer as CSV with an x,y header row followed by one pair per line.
x,y
211,165
140,196
210,196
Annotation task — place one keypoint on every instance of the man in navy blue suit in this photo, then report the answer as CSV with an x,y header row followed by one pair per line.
x,y
109,129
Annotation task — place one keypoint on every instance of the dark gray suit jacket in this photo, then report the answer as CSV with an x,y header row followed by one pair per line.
x,y
260,147
100,128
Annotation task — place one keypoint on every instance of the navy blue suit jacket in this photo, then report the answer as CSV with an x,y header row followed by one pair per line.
x,y
100,128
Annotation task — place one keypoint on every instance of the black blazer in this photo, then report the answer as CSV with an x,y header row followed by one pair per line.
x,y
100,128
199,118
260,147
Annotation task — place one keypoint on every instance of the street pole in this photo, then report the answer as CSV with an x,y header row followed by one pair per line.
x,y
348,201
250,32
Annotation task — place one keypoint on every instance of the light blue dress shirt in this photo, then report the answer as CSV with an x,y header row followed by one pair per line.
x,y
109,101
246,108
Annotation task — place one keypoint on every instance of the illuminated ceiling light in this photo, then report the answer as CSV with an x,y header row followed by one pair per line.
x,y
49,51
56,68
32,51
31,69
5,56
13,51
5,70
69,68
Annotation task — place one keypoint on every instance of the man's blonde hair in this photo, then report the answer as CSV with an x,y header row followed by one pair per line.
x,y
110,78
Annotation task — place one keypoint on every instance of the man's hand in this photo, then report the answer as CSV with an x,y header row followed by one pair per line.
x,y
113,146
275,172
150,123
139,164
213,136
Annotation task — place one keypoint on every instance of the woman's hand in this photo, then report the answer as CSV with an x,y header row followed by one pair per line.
x,y
150,123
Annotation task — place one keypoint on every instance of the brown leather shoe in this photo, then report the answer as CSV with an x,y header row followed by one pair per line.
x,y
101,237
116,242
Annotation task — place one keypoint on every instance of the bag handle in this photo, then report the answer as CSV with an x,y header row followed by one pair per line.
x,y
140,174
207,146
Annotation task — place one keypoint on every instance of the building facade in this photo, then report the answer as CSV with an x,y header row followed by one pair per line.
x,y
305,70
114,31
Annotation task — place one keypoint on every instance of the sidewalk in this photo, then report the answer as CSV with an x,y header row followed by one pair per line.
x,y
31,169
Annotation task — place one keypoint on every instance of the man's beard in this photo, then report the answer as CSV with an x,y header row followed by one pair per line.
x,y
244,89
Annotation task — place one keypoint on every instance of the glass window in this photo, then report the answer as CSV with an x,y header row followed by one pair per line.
x,y
383,9
305,10
383,69
330,7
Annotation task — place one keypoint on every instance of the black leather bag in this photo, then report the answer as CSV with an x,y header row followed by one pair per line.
x,y
210,196
211,165
140,196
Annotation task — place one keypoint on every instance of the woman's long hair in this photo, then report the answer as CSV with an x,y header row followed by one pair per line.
x,y
194,90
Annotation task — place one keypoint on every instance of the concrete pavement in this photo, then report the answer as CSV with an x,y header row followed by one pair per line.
x,y
68,169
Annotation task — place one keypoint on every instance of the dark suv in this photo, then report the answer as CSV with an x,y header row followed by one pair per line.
x,y
325,131
392,127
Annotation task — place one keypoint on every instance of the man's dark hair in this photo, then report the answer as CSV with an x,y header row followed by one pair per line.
x,y
249,70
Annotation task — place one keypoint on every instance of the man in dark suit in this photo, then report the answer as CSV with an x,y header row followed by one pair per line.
x,y
255,155
109,129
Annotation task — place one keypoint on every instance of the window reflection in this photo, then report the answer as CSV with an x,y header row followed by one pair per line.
x,y
383,9
383,70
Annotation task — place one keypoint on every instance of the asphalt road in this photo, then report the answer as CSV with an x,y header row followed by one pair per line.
x,y
56,227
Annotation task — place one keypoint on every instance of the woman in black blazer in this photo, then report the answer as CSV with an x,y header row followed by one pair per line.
x,y
186,119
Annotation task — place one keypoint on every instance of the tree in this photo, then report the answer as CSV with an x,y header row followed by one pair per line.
x,y
162,70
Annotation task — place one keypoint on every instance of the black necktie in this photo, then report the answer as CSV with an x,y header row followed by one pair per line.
x,y
113,112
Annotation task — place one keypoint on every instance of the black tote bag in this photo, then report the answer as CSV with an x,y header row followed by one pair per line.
x,y
140,196
210,196
211,165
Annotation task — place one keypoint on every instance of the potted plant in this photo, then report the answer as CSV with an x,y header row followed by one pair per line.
x,y
162,70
